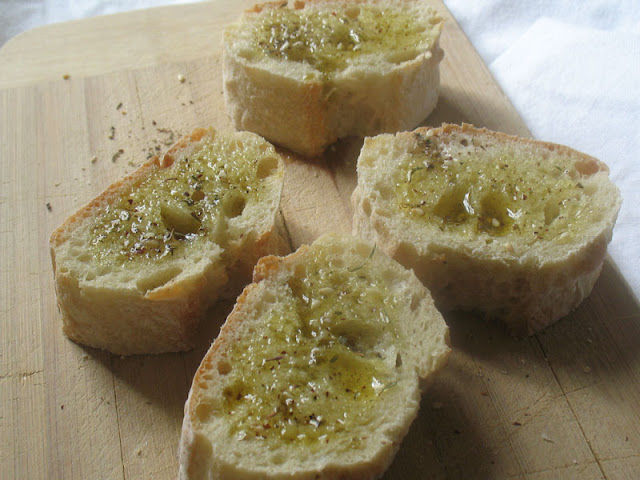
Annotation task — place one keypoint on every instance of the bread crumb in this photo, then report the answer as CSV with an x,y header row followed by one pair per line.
x,y
116,155
48,205
94,159
546,438
181,78
66,76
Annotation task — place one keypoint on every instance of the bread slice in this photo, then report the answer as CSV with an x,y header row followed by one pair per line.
x,y
137,267
512,227
317,372
305,73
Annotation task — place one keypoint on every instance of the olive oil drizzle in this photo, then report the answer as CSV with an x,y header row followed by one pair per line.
x,y
329,40
177,206
316,367
497,195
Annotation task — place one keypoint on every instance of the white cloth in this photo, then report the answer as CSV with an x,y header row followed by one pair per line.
x,y
571,69
18,16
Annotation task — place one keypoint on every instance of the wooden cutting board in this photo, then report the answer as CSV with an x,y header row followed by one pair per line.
x,y
562,404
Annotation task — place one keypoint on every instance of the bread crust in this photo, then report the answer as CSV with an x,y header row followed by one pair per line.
x,y
528,287
207,452
292,105
126,317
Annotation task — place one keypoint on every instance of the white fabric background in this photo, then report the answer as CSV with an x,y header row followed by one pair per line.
x,y
571,69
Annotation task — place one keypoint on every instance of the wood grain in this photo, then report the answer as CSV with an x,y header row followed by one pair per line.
x,y
562,404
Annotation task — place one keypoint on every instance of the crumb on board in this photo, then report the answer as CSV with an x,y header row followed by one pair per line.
x,y
112,132
66,76
546,438
181,78
166,138
116,155
119,106
94,159
48,205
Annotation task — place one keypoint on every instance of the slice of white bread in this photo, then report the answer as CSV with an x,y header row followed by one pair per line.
x,y
318,371
512,227
305,73
137,267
